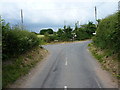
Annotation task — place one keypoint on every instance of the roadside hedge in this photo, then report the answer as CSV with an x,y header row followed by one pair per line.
x,y
108,34
16,41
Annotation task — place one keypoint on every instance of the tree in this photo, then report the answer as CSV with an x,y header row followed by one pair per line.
x,y
43,31
85,31
60,34
49,31
90,28
99,20
67,33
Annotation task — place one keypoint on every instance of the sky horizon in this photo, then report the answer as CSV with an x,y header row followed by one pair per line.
x,y
38,14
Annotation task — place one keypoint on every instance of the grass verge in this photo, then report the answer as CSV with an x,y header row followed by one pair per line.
x,y
17,67
108,61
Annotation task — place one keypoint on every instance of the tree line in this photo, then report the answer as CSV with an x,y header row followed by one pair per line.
x,y
67,33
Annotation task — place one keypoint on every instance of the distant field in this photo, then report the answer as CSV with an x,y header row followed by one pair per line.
x,y
40,36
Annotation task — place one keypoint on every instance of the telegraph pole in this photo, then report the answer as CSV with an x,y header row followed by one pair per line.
x,y
0,22
96,16
119,6
95,13
64,23
95,19
21,19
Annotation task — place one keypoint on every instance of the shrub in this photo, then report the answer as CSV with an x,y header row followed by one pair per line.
x,y
108,34
16,41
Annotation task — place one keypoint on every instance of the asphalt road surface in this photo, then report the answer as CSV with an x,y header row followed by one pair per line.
x,y
69,65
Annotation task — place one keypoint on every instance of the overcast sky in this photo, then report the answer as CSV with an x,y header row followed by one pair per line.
x,y
54,14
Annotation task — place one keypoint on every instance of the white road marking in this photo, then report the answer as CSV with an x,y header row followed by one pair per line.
x,y
66,62
98,83
65,87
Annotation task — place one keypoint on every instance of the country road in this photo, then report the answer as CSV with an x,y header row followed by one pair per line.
x,y
68,65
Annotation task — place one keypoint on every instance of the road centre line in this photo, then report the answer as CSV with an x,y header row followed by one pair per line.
x,y
66,62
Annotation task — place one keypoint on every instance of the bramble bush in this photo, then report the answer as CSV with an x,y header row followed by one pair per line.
x,y
16,41
108,34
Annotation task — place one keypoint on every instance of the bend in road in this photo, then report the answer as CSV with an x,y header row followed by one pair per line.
x,y
69,65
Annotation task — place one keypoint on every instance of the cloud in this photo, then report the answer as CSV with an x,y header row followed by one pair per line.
x,y
53,13
32,1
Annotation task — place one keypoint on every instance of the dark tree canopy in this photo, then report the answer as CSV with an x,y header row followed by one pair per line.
x,y
43,31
